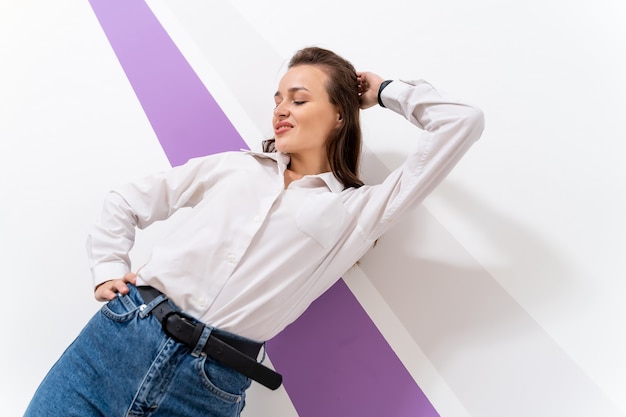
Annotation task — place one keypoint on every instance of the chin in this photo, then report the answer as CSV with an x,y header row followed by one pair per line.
x,y
280,147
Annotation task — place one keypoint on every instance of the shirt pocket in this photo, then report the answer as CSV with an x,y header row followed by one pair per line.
x,y
322,217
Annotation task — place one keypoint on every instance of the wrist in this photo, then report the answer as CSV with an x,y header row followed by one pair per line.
x,y
380,90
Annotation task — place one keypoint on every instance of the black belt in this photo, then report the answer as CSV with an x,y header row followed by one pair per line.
x,y
235,353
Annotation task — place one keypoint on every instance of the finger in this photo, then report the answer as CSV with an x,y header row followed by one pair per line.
x,y
119,286
130,277
108,295
109,290
104,293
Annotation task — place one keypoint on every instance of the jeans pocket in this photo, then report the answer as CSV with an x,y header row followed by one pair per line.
x,y
222,381
121,309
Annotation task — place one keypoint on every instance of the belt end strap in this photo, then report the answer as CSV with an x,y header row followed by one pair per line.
x,y
223,352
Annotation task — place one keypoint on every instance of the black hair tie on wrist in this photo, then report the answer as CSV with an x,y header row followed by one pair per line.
x,y
380,90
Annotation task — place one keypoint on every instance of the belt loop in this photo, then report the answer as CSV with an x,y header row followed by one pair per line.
x,y
128,302
197,350
145,309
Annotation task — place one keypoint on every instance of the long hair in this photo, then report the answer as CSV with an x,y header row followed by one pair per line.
x,y
343,147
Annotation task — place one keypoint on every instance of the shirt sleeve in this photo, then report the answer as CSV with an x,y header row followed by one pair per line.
x,y
137,205
449,127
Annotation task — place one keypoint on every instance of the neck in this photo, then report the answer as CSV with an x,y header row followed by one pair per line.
x,y
302,166
299,167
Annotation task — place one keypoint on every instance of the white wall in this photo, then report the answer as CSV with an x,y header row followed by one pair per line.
x,y
518,293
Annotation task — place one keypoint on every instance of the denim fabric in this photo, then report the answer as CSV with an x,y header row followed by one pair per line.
x,y
122,364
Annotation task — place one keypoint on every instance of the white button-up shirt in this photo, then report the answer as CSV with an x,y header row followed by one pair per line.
x,y
252,255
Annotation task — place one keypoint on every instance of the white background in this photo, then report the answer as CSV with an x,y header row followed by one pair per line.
x,y
503,294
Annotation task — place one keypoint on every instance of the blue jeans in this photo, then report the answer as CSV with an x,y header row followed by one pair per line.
x,y
123,364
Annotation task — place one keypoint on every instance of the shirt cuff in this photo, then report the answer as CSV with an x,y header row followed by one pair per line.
x,y
397,92
108,271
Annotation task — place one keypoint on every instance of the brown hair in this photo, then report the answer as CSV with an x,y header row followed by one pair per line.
x,y
343,147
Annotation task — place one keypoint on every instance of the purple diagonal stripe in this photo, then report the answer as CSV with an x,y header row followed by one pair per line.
x,y
343,364
334,359
185,117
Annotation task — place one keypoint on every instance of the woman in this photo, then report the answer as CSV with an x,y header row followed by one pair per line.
x,y
266,235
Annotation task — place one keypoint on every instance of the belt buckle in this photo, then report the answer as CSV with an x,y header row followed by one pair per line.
x,y
182,327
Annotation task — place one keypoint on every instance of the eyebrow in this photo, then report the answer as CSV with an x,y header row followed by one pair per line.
x,y
292,90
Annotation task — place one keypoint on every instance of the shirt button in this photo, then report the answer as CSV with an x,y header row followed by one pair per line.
x,y
201,302
257,219
231,258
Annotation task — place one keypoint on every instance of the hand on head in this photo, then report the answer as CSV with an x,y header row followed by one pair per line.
x,y
368,85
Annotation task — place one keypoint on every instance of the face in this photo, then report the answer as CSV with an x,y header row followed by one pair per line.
x,y
304,116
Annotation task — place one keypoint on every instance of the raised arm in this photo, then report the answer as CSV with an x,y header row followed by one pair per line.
x,y
449,127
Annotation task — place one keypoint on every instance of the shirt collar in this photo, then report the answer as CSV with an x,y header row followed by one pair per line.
x,y
331,181
282,159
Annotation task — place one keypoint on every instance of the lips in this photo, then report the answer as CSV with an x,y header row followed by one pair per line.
x,y
282,127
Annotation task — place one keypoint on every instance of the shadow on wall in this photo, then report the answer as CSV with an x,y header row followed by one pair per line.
x,y
447,300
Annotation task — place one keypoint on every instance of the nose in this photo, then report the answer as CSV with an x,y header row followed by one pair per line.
x,y
281,110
